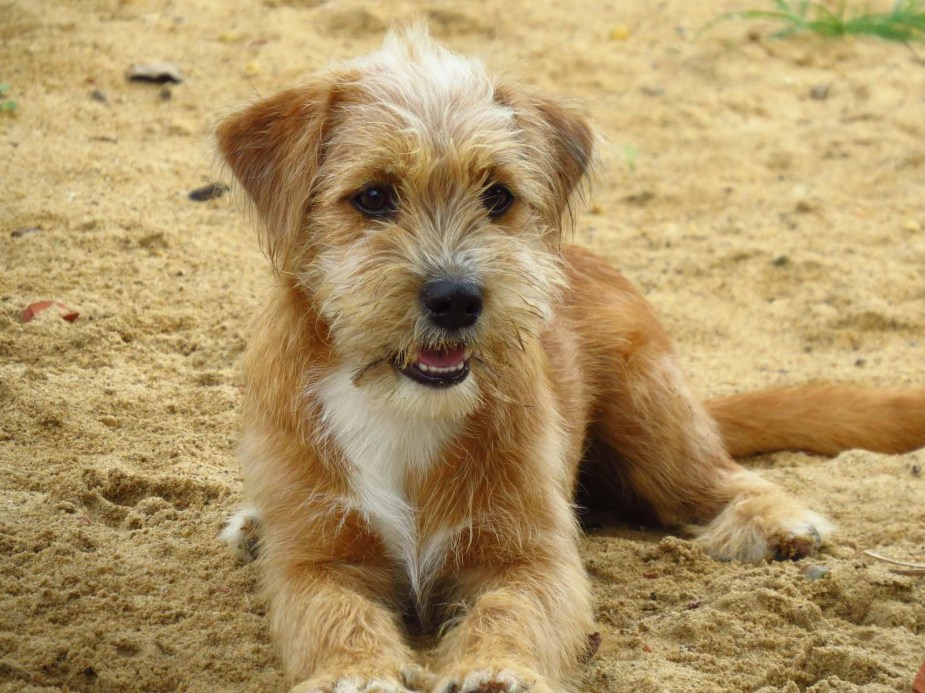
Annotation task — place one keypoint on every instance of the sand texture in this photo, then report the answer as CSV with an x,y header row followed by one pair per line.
x,y
780,235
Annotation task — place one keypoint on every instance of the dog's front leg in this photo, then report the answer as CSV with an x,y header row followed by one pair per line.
x,y
526,621
334,636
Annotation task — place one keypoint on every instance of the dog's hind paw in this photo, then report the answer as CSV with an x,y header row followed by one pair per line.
x,y
242,533
763,527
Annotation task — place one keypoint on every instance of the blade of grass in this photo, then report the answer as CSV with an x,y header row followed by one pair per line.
x,y
905,23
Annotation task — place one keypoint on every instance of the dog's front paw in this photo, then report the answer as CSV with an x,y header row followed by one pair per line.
x,y
499,680
409,680
242,533
764,527
350,684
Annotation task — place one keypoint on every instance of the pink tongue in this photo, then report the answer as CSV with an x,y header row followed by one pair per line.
x,y
442,359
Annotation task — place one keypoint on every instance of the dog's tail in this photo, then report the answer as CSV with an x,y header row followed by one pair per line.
x,y
823,419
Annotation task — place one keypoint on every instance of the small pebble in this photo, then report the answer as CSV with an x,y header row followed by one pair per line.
x,y
252,69
912,225
916,470
24,231
820,92
156,73
781,261
816,572
98,95
208,192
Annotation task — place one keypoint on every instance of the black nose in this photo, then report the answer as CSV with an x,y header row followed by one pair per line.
x,y
452,303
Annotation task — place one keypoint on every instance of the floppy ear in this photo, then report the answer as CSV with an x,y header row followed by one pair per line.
x,y
274,148
571,138
562,135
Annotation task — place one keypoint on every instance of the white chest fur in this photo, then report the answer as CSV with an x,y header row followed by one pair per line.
x,y
384,447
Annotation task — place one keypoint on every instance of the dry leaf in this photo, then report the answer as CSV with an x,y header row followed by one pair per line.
x,y
33,309
918,686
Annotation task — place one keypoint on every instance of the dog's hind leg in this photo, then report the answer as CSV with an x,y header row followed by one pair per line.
x,y
669,449
672,457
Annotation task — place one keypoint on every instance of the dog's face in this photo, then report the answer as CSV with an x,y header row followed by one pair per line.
x,y
418,203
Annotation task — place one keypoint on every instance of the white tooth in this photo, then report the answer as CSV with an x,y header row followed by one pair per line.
x,y
437,370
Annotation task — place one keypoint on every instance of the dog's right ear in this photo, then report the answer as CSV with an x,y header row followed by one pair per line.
x,y
274,148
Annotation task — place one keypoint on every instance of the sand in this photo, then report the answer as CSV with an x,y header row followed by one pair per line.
x,y
779,235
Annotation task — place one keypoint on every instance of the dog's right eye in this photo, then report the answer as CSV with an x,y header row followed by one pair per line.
x,y
375,201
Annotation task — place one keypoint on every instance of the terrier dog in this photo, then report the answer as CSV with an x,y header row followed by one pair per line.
x,y
431,365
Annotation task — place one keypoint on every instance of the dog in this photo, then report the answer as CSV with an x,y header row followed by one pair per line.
x,y
431,366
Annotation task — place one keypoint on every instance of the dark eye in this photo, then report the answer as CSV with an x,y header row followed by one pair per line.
x,y
497,199
375,201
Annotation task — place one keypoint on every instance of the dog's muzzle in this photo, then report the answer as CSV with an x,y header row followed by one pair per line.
x,y
452,305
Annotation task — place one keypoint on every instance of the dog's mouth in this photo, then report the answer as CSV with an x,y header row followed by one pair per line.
x,y
437,367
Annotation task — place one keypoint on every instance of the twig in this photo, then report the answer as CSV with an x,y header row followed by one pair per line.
x,y
914,569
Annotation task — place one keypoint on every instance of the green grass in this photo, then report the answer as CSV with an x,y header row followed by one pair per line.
x,y
630,155
5,103
905,23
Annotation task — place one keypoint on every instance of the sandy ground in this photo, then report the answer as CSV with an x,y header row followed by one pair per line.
x,y
780,236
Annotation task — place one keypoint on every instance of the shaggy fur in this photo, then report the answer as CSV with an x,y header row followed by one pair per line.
x,y
384,502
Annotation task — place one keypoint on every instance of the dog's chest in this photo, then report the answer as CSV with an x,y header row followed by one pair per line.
x,y
384,449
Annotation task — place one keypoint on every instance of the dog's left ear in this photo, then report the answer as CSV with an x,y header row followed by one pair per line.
x,y
560,133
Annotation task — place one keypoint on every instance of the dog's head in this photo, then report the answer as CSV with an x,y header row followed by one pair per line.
x,y
418,202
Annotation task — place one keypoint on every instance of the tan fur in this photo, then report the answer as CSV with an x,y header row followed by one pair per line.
x,y
824,419
378,496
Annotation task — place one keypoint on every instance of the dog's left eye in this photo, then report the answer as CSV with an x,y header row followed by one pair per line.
x,y
497,199
375,201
